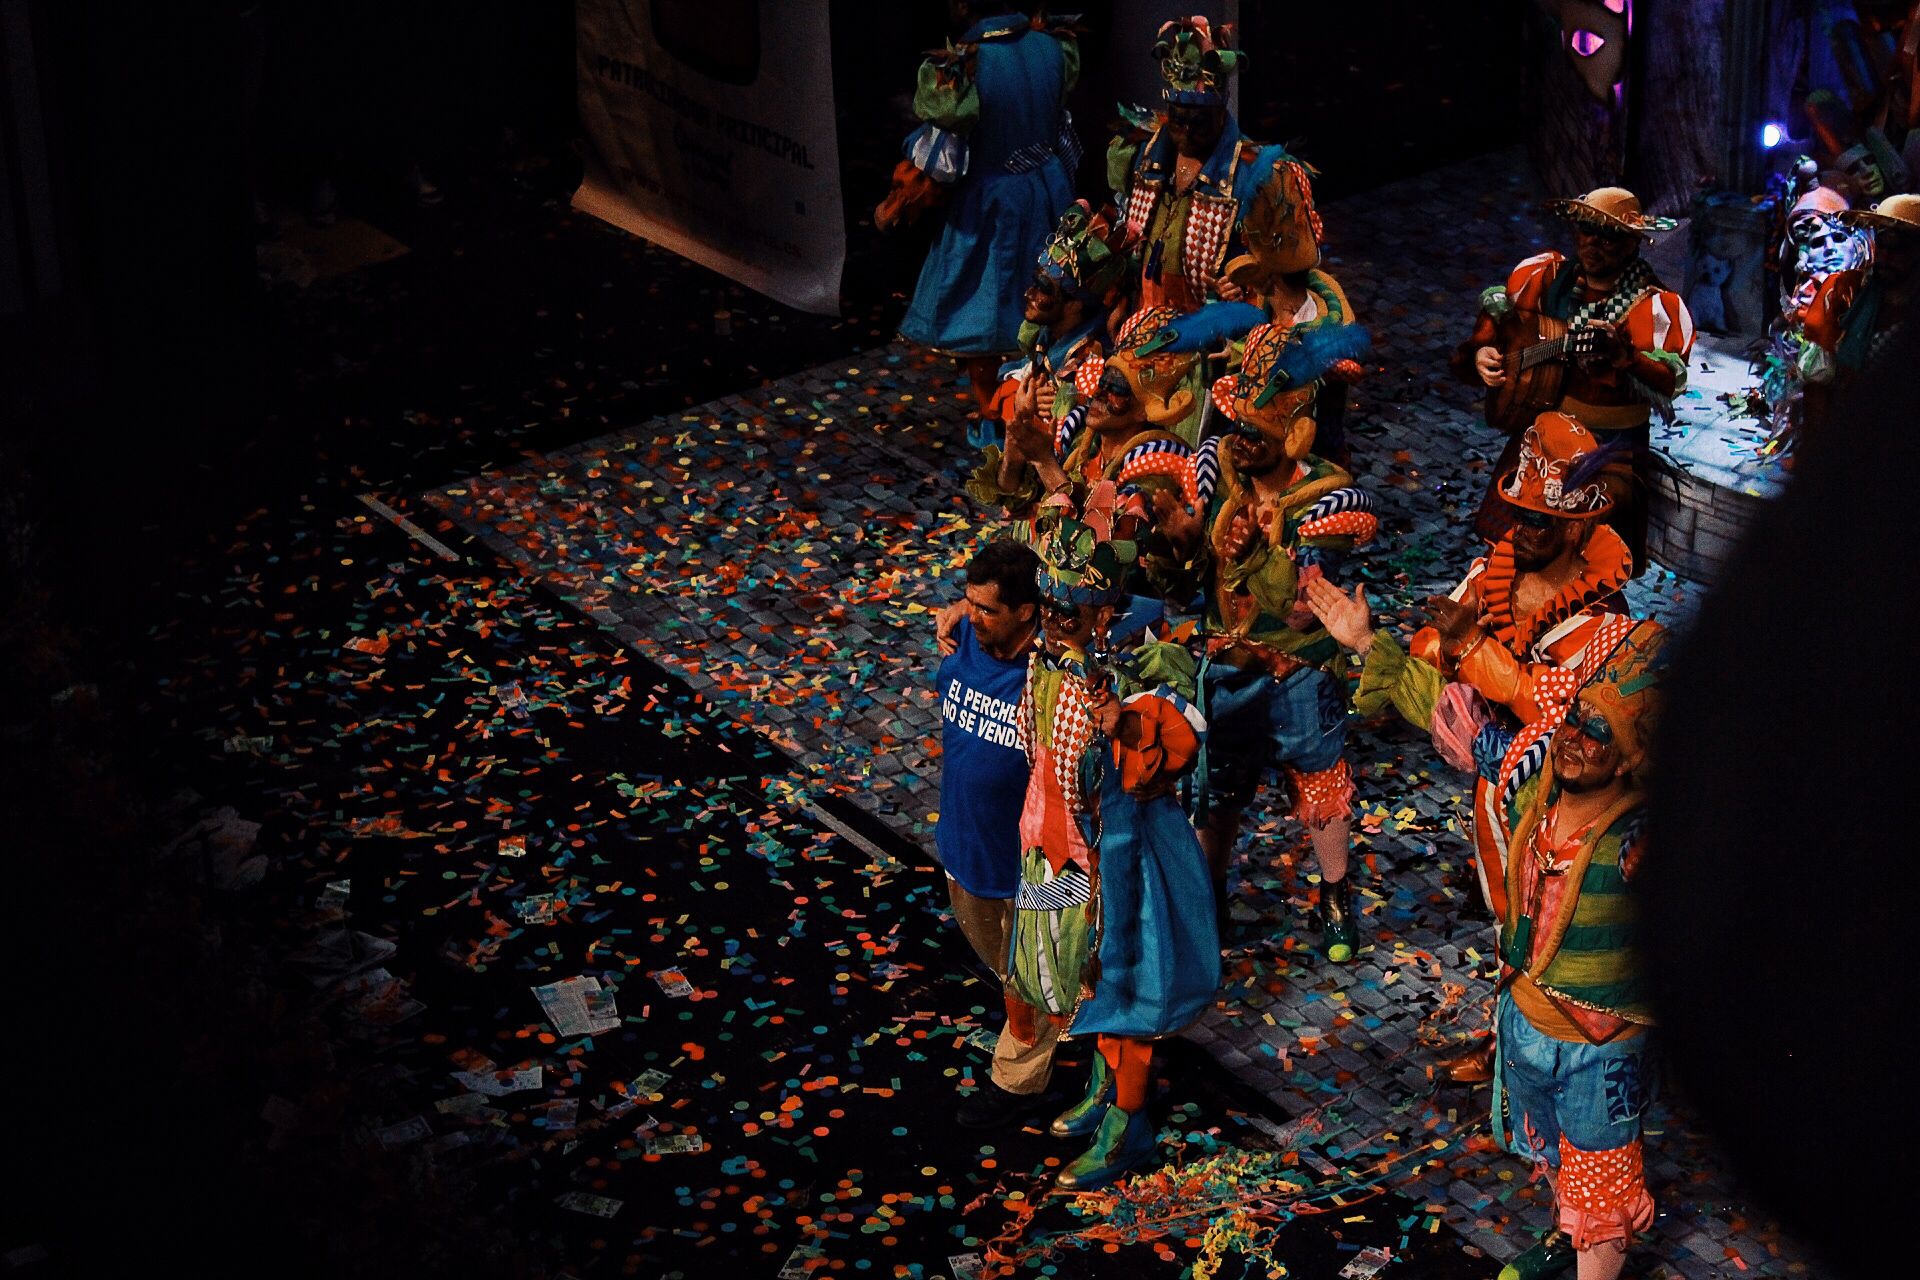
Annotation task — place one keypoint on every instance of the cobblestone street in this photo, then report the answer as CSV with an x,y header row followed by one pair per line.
x,y
781,550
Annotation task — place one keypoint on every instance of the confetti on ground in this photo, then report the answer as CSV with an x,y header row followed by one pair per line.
x,y
592,769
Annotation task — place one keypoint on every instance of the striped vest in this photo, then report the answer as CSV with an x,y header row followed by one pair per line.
x,y
1586,956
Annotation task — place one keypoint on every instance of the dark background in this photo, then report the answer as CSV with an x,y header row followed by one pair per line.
x,y
155,394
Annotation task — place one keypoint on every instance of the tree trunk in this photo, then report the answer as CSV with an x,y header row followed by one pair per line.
x,y
1576,141
1680,81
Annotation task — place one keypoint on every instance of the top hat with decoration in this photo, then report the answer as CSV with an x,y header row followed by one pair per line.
x,y
1558,473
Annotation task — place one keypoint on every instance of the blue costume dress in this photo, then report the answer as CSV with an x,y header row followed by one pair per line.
x,y
1159,949
1014,179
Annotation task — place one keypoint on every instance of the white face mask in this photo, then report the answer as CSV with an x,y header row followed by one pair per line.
x,y
1822,246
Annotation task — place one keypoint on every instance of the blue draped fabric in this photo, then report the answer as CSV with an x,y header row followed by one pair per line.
x,y
1159,945
968,299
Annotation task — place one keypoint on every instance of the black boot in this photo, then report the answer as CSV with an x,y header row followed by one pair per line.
x,y
991,1107
1339,933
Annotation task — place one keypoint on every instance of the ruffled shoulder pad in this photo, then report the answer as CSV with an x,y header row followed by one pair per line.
x,y
1338,502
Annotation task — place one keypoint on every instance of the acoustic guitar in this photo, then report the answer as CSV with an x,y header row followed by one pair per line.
x,y
1534,352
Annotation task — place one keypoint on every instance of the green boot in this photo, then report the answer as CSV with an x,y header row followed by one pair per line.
x,y
1083,1117
1554,1254
1339,933
1124,1141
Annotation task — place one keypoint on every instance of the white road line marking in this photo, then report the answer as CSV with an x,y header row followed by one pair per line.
x,y
412,530
847,833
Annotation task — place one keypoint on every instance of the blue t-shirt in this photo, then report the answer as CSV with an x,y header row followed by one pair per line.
x,y
983,775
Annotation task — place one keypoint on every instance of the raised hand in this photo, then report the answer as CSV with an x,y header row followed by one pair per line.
x,y
1026,399
1027,439
1301,616
1180,526
1043,397
1455,620
1242,533
1105,711
1347,618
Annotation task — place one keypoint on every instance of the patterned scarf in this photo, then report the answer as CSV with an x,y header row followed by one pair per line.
x,y
1635,283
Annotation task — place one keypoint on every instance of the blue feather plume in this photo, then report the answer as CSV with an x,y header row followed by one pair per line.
x,y
1206,328
1311,350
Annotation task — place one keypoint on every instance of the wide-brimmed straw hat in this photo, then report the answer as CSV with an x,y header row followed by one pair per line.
x,y
1895,213
1610,209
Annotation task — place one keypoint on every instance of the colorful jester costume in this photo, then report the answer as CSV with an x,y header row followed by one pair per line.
x,y
1525,662
1148,451
1267,684
1613,402
1113,935
1114,451
998,137
1185,236
1280,273
1571,1089
1082,261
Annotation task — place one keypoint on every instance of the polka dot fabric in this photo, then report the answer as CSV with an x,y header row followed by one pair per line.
x,y
1358,525
1322,796
1602,1195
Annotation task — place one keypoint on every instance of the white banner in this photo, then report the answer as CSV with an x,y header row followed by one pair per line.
x,y
710,131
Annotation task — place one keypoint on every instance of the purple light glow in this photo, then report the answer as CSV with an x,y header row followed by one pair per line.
x,y
1586,43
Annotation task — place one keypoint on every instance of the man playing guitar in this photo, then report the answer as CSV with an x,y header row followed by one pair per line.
x,y
1599,339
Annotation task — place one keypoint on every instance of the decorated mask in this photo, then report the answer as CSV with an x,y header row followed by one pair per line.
x,y
1822,246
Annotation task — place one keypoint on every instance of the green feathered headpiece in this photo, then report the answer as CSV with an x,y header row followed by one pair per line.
x,y
1080,255
1195,60
1078,566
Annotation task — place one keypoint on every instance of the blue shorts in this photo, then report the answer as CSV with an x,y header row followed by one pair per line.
x,y
1255,721
1595,1094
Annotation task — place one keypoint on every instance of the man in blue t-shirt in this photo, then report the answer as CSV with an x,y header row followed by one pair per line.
x,y
983,776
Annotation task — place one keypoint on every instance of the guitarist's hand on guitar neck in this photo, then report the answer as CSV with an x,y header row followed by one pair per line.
x,y
1487,363
1605,346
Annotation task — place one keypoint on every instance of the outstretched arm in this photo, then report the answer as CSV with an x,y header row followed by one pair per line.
x,y
1390,677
